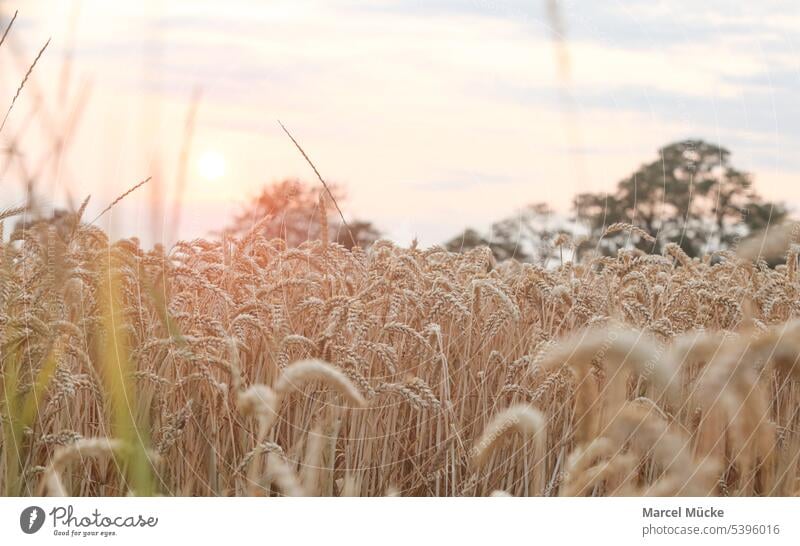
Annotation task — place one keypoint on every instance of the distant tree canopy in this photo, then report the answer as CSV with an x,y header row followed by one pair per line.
x,y
292,210
363,233
526,236
691,195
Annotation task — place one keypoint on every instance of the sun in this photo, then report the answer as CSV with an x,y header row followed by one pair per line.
x,y
211,165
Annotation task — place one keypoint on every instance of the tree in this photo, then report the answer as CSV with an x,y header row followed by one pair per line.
x,y
363,233
526,236
292,211
470,238
690,195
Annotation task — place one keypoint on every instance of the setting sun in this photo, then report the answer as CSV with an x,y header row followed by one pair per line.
x,y
211,166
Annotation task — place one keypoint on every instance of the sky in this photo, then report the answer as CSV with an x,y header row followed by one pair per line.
x,y
434,115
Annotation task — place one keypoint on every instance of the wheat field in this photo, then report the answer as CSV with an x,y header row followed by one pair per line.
x,y
238,366
241,367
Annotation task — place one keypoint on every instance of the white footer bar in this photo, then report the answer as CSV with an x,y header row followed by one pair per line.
x,y
400,521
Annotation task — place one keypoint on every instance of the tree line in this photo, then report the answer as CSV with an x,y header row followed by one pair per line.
x,y
690,194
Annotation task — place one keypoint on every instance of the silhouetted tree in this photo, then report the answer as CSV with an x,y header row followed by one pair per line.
x,y
527,236
364,234
470,238
690,195
291,210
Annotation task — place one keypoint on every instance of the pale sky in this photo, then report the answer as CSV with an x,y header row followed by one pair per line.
x,y
434,114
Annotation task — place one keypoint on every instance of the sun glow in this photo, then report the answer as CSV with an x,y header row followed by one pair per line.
x,y
211,166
